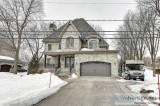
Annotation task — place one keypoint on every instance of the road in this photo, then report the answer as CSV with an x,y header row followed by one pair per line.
x,y
85,91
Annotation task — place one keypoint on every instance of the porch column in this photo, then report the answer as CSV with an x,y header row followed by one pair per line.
x,y
59,61
45,60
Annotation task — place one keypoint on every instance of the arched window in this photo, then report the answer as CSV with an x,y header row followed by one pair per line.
x,y
93,44
70,42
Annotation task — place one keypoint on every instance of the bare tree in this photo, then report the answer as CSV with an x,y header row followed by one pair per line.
x,y
134,47
98,28
15,16
34,41
150,4
152,37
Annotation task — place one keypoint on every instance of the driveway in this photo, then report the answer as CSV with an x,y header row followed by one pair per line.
x,y
85,91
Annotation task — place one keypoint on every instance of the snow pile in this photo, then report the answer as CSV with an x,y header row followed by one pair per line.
x,y
58,51
26,90
150,83
73,76
6,58
148,74
86,49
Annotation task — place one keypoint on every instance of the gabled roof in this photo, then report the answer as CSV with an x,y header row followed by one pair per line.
x,y
55,35
5,44
82,26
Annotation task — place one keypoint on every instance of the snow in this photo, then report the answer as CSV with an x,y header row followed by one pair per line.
x,y
121,80
6,58
86,49
26,90
58,51
150,83
73,76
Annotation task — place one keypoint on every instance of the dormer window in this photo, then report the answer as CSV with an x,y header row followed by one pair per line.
x,y
93,44
69,42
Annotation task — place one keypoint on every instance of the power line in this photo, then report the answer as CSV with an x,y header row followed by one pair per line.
x,y
73,31
72,20
87,38
77,34
93,3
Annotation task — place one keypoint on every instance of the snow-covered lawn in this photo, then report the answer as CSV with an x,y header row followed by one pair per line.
x,y
150,83
26,90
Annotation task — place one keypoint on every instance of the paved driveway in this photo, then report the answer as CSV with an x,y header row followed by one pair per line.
x,y
85,91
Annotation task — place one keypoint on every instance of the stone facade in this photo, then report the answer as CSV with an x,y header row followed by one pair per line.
x,y
109,58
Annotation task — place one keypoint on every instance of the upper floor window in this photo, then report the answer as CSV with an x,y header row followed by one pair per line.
x,y
59,46
93,44
70,42
49,47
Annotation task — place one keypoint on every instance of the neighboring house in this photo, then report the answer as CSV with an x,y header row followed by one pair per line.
x,y
157,64
7,54
77,47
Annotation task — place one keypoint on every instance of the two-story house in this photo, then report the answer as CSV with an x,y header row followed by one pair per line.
x,y
77,45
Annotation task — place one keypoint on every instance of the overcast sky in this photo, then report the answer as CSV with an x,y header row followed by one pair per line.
x,y
89,11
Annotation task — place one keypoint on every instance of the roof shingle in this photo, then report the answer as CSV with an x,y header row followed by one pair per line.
x,y
82,26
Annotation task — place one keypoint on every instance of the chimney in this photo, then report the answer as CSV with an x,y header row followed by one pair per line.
x,y
53,27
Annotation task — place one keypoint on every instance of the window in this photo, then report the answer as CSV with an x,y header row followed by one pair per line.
x,y
59,46
93,44
48,61
49,47
69,62
69,42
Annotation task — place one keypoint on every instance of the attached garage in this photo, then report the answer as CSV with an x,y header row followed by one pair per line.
x,y
95,69
5,68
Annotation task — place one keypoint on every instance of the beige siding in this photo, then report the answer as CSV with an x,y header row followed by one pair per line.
x,y
54,46
75,35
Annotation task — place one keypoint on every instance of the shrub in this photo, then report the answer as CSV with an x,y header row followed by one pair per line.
x,y
40,71
32,71
33,65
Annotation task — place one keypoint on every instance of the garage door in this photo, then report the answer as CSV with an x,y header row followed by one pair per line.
x,y
5,68
95,69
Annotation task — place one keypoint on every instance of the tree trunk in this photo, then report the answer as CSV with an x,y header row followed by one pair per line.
x,y
16,61
153,65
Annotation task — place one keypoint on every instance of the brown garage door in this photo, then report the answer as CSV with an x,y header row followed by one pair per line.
x,y
5,68
95,69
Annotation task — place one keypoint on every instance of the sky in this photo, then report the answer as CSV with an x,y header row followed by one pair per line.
x,y
90,12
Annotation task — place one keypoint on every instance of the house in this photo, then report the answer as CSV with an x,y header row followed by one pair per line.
x,y
7,54
77,47
157,63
